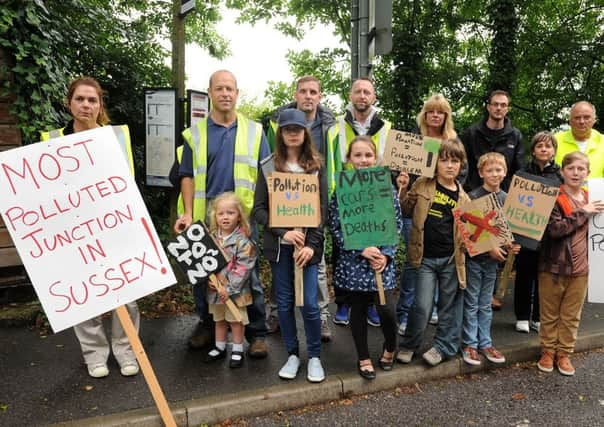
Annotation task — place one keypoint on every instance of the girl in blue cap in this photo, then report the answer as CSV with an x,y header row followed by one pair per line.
x,y
294,153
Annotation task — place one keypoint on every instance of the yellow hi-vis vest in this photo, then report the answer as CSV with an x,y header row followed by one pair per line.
x,y
245,168
339,137
121,132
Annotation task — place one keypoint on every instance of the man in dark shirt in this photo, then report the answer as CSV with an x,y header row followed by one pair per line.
x,y
494,133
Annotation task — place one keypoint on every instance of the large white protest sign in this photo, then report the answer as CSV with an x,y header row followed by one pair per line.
x,y
80,226
595,245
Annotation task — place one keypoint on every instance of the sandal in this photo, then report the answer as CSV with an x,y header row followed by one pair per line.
x,y
386,362
366,369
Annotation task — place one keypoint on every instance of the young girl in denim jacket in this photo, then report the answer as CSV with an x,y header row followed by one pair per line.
x,y
355,272
231,229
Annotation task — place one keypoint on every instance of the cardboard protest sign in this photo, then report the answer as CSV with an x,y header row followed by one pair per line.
x,y
528,206
197,253
294,200
366,208
80,225
411,153
595,244
482,224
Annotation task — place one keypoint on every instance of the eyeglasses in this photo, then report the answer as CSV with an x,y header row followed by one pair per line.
x,y
499,104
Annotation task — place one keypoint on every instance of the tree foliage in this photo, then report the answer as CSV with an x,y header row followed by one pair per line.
x,y
547,53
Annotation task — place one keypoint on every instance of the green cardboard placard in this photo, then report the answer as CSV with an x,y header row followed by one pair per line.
x,y
366,208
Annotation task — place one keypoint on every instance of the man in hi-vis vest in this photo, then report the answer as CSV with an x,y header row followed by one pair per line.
x,y
222,152
361,118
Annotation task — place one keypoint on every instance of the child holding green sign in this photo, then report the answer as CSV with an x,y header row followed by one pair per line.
x,y
436,250
356,270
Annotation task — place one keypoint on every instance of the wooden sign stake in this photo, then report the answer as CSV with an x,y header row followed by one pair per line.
x,y
143,361
504,277
380,286
229,302
298,280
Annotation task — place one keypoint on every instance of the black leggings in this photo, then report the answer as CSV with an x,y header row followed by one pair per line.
x,y
359,302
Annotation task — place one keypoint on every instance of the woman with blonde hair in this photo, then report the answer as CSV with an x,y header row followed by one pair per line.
x,y
435,120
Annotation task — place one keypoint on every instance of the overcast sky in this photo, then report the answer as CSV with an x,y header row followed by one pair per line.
x,y
257,55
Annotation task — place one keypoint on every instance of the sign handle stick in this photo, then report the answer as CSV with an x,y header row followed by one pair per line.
x,y
380,286
504,277
298,280
143,361
229,302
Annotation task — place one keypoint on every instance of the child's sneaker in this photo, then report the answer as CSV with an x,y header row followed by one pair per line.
x,y
401,328
546,363
432,357
434,318
535,326
404,355
290,369
523,326
493,355
470,356
372,317
564,365
315,372
341,317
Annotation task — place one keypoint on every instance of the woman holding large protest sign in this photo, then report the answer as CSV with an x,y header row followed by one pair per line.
x,y
84,102
358,271
286,248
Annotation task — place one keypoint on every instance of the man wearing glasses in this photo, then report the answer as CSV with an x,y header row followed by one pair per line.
x,y
493,133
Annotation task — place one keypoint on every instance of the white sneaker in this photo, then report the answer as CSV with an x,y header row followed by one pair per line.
x,y
315,374
535,326
434,318
522,326
290,369
129,368
99,370
401,328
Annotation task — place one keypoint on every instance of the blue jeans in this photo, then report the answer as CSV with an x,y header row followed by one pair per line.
x,y
283,282
433,274
408,279
256,311
477,312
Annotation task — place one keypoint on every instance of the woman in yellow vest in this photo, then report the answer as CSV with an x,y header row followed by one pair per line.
x,y
85,104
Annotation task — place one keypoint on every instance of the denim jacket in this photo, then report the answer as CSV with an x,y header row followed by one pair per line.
x,y
242,253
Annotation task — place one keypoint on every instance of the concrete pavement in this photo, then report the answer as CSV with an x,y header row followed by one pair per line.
x,y
44,380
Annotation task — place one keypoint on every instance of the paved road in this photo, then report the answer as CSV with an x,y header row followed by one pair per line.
x,y
515,396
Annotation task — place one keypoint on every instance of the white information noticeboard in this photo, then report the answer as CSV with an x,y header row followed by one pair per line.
x,y
80,226
595,245
199,106
160,135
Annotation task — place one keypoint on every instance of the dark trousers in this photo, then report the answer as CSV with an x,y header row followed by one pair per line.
x,y
526,287
359,302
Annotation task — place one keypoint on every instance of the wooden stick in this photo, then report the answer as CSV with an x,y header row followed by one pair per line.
x,y
298,280
143,361
504,277
380,286
229,302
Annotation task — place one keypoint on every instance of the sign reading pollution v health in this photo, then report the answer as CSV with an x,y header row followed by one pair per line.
x,y
294,200
595,245
411,153
366,208
482,224
528,206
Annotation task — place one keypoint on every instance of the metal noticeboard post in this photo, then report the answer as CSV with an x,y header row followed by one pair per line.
x,y
160,135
